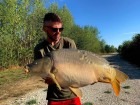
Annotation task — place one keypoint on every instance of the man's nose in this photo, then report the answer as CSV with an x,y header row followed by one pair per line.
x,y
58,30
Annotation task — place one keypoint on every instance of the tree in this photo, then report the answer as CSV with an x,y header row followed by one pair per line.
x,y
14,28
130,50
102,44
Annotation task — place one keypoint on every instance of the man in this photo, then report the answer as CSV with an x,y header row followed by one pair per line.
x,y
52,26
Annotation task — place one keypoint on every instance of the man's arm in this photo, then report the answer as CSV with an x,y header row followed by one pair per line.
x,y
37,55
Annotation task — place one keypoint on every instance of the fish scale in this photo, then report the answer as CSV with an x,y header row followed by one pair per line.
x,y
82,55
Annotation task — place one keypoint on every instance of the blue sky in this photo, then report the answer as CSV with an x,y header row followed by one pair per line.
x,y
116,20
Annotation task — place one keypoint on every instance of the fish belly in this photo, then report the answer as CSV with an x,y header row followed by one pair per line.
x,y
75,75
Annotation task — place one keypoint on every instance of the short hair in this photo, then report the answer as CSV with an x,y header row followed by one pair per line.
x,y
51,17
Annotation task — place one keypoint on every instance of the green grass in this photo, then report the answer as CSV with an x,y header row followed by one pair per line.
x,y
127,92
126,87
88,103
108,92
9,76
31,102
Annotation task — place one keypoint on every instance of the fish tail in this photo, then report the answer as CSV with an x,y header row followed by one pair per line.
x,y
116,86
118,78
114,77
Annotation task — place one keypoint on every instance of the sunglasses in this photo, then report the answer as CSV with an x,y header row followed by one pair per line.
x,y
55,29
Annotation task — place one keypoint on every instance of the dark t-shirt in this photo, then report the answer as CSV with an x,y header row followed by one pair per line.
x,y
40,51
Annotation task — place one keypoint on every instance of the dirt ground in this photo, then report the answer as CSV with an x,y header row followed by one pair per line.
x,y
21,87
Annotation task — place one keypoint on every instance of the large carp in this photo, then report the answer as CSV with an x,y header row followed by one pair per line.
x,y
77,68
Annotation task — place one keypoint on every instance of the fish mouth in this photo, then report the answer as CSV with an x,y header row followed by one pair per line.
x,y
29,66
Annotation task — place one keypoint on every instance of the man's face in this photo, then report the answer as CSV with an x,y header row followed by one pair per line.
x,y
53,30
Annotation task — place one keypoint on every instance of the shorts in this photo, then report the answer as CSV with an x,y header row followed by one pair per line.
x,y
73,101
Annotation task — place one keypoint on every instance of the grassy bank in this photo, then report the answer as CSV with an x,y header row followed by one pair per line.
x,y
10,76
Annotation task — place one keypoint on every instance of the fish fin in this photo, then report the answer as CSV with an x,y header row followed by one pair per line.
x,y
116,86
114,77
121,77
76,91
104,80
117,77
55,81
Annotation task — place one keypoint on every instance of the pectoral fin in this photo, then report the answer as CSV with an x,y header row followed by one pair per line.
x,y
55,81
76,91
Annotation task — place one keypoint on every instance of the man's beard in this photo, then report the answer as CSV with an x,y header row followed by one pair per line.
x,y
52,38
